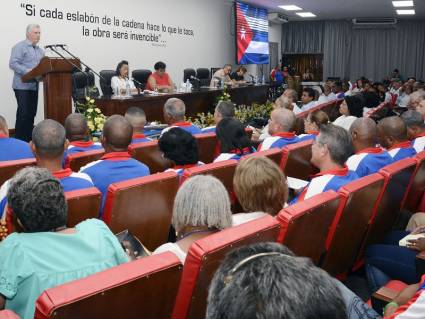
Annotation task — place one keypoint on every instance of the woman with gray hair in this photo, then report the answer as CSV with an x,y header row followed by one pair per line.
x,y
47,253
201,207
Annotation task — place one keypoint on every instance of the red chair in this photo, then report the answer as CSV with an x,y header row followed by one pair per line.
x,y
296,160
9,168
275,154
144,288
77,160
149,154
144,206
206,146
304,226
205,256
417,188
83,204
8,314
351,222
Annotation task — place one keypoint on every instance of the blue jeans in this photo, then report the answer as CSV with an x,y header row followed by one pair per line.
x,y
389,261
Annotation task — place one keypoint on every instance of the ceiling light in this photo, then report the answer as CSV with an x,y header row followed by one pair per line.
x,y
399,4
405,12
290,7
306,14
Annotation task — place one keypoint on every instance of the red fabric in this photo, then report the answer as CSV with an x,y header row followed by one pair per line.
x,y
185,166
204,169
139,135
337,172
182,124
313,132
82,143
371,150
419,135
3,136
285,134
160,80
8,314
62,173
116,156
22,162
245,150
290,148
404,144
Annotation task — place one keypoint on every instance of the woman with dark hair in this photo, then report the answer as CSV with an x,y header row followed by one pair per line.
x,y
121,81
46,253
160,80
351,109
180,148
234,142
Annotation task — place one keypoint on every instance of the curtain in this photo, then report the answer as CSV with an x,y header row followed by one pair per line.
x,y
301,37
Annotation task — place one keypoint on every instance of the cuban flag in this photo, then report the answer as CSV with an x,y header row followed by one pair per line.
x,y
252,34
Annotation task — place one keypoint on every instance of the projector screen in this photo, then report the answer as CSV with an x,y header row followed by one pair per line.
x,y
252,34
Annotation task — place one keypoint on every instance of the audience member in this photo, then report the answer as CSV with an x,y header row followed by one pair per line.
x,y
121,81
403,99
222,110
116,165
47,253
260,188
383,93
281,129
312,124
234,142
201,208
292,95
421,108
330,151
351,109
415,129
368,158
327,95
276,75
137,118
160,80
307,99
337,89
12,149
174,116
180,148
415,99
393,136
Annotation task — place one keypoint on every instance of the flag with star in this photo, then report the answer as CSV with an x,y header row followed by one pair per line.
x,y
252,34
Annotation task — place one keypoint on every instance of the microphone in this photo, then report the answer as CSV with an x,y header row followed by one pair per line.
x,y
194,78
139,83
60,45
55,45
49,46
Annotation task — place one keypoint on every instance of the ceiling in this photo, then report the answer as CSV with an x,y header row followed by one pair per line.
x,y
341,9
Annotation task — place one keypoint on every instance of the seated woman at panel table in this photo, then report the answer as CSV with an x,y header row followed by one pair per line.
x,y
201,208
47,253
160,80
121,80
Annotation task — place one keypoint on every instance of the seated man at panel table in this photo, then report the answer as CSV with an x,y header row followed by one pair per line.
x,y
393,136
48,145
222,75
238,76
137,118
116,165
307,99
77,133
160,79
330,151
223,110
174,116
281,129
415,129
11,148
368,158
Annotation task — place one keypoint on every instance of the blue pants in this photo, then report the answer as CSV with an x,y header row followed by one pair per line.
x,y
25,114
389,261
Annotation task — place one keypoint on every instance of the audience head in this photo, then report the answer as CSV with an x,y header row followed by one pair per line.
x,y
414,123
370,99
117,134
48,140
174,111
122,69
416,98
232,136
241,70
351,105
327,89
227,69
391,130
76,127
179,146
281,120
407,89
201,201
421,108
364,133
160,67
314,121
283,102
308,95
33,33
418,86
223,110
37,200
333,146
4,129
337,87
260,185
137,118
291,94
265,280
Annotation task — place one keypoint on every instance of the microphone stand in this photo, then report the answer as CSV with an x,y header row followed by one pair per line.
x,y
89,68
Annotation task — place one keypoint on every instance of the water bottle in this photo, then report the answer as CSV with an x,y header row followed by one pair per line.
x,y
117,91
263,80
187,85
127,88
222,83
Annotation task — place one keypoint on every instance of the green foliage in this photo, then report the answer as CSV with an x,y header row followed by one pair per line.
x,y
95,118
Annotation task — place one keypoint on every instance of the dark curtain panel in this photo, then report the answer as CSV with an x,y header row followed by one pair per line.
x,y
301,37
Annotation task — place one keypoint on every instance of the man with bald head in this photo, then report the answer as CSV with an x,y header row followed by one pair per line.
x,y
12,149
281,129
392,132
415,129
116,165
368,158
174,116
137,118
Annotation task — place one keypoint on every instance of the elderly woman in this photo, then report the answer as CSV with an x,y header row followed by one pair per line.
x,y
351,109
260,187
201,208
47,253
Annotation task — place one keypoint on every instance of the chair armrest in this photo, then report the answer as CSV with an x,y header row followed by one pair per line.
x,y
420,264
381,297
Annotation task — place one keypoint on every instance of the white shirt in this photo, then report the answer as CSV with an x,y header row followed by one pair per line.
x,y
174,248
296,109
403,100
326,98
306,107
345,121
120,83
242,218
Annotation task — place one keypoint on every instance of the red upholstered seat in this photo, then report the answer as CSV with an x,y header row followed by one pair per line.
x,y
305,225
331,108
149,154
275,154
144,206
77,160
296,160
8,314
9,168
206,146
418,185
145,288
83,204
206,254
350,224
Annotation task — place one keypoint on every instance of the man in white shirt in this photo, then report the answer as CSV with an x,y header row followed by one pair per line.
x,y
307,99
222,75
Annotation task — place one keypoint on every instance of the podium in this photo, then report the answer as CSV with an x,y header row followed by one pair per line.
x,y
56,74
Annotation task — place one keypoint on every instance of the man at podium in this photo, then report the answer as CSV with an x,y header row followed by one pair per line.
x,y
25,56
